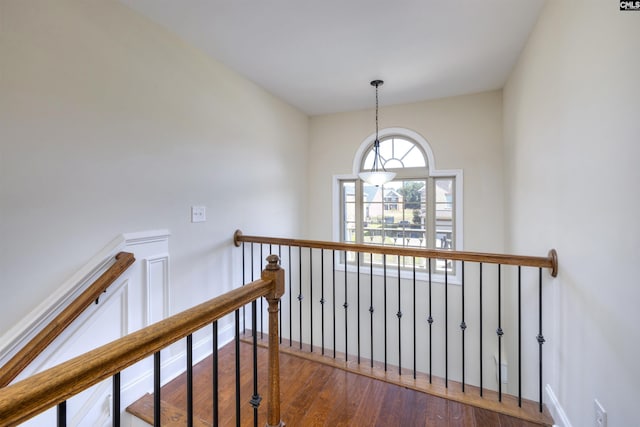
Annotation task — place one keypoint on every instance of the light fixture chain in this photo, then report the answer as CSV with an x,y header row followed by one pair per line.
x,y
376,113
378,174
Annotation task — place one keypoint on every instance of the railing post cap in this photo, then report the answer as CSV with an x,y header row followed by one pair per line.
x,y
273,262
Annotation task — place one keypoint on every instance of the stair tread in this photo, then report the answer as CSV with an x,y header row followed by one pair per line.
x,y
170,415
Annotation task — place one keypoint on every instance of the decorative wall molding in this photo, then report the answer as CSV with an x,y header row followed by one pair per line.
x,y
145,237
28,327
124,310
555,408
140,296
45,312
72,341
157,296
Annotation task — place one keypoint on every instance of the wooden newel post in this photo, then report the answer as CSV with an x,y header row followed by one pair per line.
x,y
274,273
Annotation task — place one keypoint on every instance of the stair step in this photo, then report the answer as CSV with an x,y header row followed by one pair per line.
x,y
170,416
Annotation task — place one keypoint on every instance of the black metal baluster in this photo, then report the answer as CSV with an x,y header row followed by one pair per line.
x,y
446,325
481,358
346,308
237,345
261,300
62,414
540,338
252,279
290,303
311,297
156,389
190,380
430,321
333,264
371,309
519,337
463,325
116,400
500,333
255,399
215,385
399,315
322,301
414,318
358,307
300,296
384,297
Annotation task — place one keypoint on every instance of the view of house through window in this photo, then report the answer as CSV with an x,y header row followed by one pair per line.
x,y
414,210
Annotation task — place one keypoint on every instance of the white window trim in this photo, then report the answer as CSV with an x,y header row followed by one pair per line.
x,y
433,172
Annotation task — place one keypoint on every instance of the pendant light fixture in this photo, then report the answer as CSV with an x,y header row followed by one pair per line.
x,y
378,175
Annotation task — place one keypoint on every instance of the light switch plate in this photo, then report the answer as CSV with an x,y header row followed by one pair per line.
x,y
198,214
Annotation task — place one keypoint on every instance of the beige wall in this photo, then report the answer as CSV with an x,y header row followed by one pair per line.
x,y
110,124
464,132
571,127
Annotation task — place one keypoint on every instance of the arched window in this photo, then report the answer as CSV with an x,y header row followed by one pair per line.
x,y
420,208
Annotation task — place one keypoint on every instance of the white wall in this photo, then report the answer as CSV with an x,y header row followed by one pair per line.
x,y
464,132
110,124
571,129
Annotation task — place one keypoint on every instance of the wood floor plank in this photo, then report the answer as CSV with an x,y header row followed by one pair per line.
x,y
485,418
316,394
370,406
489,400
437,413
461,415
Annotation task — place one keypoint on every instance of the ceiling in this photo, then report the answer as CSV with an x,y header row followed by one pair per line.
x,y
321,55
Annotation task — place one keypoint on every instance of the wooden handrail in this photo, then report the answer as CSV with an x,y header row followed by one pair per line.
x,y
550,261
52,330
27,398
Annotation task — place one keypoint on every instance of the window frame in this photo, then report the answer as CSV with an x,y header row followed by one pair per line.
x,y
432,174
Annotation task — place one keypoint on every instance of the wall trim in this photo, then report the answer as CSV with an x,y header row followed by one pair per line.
x,y
555,408
25,329
149,309
28,327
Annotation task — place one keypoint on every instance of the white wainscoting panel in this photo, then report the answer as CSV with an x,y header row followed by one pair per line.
x,y
139,297
156,289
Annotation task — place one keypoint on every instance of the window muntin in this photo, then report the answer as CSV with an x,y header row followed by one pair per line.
x,y
396,152
414,210
349,206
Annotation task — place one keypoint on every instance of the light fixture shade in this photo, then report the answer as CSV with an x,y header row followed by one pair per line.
x,y
377,178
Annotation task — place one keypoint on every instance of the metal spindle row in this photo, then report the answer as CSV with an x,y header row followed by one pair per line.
x,y
315,273
61,414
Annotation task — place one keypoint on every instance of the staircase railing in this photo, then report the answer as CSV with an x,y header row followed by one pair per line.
x,y
27,398
402,318
52,330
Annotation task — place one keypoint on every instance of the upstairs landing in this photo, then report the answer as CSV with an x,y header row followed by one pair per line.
x,y
312,394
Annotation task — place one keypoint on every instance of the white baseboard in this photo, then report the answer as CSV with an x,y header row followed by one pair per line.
x,y
560,418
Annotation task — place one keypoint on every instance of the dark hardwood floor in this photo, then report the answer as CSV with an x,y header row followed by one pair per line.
x,y
312,394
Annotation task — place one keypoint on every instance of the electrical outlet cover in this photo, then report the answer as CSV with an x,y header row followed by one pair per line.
x,y
601,415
